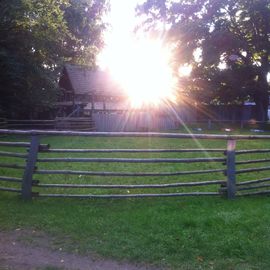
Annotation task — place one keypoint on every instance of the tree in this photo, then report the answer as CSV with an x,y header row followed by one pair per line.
x,y
37,37
225,41
85,23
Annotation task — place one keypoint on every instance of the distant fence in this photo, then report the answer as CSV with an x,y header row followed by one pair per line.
x,y
28,186
26,124
59,123
124,121
143,121
99,121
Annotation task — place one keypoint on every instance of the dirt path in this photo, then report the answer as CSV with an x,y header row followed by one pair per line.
x,y
30,250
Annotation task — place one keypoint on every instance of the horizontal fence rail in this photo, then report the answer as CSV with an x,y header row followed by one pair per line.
x,y
189,184
39,163
253,161
133,134
265,192
15,144
10,179
65,123
253,182
115,196
252,151
132,150
259,169
133,160
144,174
10,189
43,147
12,154
12,166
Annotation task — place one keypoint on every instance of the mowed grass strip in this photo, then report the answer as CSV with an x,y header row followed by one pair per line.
x,y
178,233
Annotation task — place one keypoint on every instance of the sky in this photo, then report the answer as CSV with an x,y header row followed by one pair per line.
x,y
120,33
137,65
135,62
140,64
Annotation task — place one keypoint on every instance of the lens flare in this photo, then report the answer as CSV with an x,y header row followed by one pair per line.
x,y
142,69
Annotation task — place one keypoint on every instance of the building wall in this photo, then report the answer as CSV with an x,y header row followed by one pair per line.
x,y
130,121
143,120
172,118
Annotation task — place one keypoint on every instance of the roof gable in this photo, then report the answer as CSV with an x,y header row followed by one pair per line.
x,y
86,81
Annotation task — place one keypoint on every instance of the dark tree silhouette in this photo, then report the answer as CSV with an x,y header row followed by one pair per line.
x,y
233,33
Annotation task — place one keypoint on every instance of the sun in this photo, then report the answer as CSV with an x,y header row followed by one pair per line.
x,y
139,63
142,69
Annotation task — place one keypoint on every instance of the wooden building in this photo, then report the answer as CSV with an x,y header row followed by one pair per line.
x,y
82,86
96,95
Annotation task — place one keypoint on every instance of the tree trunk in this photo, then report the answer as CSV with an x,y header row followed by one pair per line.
x,y
261,98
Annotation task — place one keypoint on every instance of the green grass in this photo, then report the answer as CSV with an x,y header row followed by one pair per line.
x,y
180,233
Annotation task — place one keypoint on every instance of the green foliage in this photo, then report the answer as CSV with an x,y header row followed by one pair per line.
x,y
36,38
84,20
232,33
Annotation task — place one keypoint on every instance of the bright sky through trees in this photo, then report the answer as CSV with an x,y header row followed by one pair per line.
x,y
139,64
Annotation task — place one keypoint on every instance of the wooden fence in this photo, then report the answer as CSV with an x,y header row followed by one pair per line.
x,y
133,121
59,123
103,121
28,186
145,121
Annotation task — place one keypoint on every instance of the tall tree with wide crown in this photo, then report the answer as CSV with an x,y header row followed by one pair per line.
x,y
37,37
226,42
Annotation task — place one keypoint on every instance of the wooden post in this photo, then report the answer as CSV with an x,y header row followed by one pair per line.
x,y
231,185
209,124
242,124
30,167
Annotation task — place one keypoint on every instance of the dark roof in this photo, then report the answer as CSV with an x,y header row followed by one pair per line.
x,y
85,81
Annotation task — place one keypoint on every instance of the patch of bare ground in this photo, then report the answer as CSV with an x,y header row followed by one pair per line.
x,y
31,250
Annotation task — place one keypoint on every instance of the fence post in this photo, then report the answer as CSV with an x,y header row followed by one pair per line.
x,y
209,124
242,124
231,182
30,167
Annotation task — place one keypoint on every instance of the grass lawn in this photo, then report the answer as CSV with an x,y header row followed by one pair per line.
x,y
178,233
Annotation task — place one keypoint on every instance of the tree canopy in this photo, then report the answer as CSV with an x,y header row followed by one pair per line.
x,y
37,37
226,42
